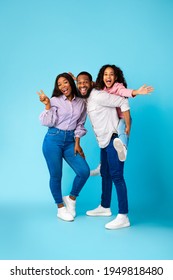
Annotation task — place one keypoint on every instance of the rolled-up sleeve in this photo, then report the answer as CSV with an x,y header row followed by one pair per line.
x,y
49,117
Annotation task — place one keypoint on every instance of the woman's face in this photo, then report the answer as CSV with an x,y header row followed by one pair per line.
x,y
109,77
65,87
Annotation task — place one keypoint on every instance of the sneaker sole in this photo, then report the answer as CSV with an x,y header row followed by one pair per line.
x,y
118,227
99,214
119,147
71,220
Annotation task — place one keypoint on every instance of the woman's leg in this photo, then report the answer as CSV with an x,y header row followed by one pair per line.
x,y
53,156
80,167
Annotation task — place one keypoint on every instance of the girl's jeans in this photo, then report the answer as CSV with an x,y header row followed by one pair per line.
x,y
58,145
121,132
112,171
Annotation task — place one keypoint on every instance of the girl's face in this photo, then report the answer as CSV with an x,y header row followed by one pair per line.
x,y
65,87
109,77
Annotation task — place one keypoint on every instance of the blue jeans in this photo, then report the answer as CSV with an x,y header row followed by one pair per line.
x,y
112,171
121,132
58,145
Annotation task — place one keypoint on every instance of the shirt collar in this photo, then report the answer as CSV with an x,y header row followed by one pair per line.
x,y
65,98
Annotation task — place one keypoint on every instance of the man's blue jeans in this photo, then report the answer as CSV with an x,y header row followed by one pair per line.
x,y
112,171
58,145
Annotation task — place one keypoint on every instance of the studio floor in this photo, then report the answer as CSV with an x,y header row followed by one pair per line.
x,y
31,231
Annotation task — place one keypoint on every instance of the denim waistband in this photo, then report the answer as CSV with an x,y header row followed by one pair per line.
x,y
60,130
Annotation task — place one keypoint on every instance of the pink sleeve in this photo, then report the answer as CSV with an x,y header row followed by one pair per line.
x,y
119,89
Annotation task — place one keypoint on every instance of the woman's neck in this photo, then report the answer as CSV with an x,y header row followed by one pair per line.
x,y
70,97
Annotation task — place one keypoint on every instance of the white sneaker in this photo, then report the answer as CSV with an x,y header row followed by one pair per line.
x,y
120,221
70,204
63,214
120,148
99,211
96,171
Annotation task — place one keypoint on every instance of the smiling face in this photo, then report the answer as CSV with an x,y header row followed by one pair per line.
x,y
65,87
109,77
84,84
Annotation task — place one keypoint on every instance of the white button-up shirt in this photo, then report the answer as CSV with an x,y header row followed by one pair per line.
x,y
101,109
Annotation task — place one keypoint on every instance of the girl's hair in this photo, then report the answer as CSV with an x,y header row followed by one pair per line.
x,y
57,92
118,73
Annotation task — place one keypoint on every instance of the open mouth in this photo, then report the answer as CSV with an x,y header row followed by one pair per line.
x,y
65,91
108,82
83,91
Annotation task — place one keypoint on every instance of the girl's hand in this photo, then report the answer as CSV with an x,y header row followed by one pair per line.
x,y
44,99
78,149
71,74
143,90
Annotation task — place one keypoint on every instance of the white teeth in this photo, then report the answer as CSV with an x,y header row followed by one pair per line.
x,y
83,89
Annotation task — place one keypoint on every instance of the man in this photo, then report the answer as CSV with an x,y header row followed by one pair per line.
x,y
104,119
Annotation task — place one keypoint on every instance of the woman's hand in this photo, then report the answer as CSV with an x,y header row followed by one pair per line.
x,y
78,149
44,99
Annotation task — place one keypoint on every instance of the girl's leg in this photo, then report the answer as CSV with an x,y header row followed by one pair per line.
x,y
121,133
121,143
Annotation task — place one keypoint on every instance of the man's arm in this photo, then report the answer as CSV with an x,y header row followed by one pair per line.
x,y
106,99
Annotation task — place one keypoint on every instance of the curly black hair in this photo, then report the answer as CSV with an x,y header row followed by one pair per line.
x,y
118,73
57,92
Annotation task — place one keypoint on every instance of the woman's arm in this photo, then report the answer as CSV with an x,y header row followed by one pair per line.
x,y
49,116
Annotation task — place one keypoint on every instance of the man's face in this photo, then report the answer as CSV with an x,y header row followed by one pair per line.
x,y
84,84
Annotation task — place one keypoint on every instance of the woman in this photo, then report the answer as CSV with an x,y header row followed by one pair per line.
x,y
65,115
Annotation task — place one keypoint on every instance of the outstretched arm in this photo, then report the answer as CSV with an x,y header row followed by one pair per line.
x,y
142,90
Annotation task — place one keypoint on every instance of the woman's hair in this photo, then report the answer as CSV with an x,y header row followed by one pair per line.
x,y
57,92
118,73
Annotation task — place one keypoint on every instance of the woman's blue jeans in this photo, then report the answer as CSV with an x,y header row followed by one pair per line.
x,y
58,145
112,171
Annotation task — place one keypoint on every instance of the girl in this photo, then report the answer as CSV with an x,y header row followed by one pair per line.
x,y
111,79
64,115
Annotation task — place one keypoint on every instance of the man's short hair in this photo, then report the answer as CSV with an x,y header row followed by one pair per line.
x,y
87,74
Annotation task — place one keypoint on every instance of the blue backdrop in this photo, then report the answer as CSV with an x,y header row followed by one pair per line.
x,y
40,39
